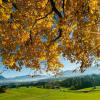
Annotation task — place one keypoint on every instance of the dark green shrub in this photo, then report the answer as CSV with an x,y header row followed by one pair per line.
x,y
2,89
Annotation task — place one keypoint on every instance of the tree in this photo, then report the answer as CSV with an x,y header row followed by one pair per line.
x,y
35,31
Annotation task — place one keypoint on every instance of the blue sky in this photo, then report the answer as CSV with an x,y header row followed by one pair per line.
x,y
28,71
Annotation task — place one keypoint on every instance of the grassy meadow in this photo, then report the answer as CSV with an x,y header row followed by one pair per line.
x,y
33,93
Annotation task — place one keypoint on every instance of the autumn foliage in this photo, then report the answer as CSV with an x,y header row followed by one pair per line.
x,y
35,31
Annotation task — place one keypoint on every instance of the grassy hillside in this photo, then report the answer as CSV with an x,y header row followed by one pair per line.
x,y
49,94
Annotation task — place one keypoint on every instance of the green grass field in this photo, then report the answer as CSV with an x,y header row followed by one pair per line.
x,y
34,93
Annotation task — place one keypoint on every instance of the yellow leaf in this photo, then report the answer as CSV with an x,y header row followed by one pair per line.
x,y
0,2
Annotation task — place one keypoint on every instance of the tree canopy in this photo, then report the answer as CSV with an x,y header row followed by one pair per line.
x,y
35,31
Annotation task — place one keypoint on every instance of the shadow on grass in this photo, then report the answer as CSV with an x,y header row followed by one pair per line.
x,y
2,90
80,91
85,91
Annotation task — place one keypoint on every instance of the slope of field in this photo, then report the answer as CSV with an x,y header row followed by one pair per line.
x,y
34,93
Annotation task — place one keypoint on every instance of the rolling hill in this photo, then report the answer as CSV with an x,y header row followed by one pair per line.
x,y
2,78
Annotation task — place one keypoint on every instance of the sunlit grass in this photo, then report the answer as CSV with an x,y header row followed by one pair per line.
x,y
49,94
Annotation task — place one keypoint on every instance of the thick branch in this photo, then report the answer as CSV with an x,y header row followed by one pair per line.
x,y
63,5
55,9
60,16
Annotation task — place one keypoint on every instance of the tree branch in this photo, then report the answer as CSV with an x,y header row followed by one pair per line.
x,y
41,18
60,16
63,6
60,34
55,9
95,48
58,13
45,15
35,23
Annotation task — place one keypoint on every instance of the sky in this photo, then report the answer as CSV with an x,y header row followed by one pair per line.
x,y
27,71
8,73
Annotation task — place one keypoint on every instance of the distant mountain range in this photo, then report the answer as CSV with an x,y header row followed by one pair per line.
x,y
28,78
2,78
70,73
62,75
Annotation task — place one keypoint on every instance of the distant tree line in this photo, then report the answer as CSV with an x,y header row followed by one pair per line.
x,y
73,83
